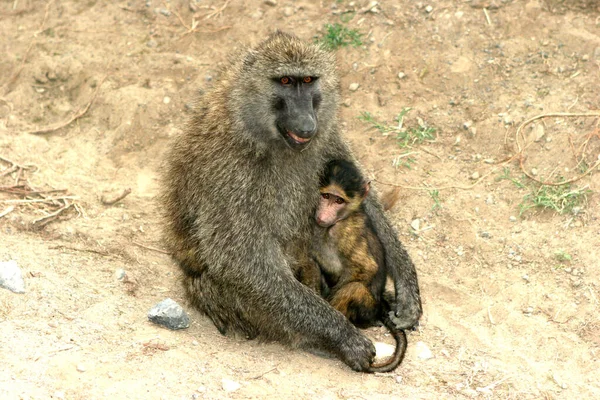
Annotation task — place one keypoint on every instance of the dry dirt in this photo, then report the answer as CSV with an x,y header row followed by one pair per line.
x,y
505,316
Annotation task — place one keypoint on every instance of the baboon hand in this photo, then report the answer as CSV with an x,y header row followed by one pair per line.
x,y
358,352
406,314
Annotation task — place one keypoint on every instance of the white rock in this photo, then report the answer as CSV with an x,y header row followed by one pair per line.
x,y
11,277
401,75
229,385
415,224
353,87
383,351
166,100
80,367
423,351
120,274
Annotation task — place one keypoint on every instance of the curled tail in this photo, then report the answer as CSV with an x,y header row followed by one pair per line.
x,y
401,343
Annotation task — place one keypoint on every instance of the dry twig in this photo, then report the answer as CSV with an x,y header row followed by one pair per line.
x,y
110,201
151,248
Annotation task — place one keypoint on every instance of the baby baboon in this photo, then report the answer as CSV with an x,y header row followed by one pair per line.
x,y
240,189
350,255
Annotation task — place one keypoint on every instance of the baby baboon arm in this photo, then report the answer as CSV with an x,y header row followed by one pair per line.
x,y
407,308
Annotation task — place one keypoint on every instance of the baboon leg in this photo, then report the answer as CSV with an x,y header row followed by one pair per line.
x,y
356,302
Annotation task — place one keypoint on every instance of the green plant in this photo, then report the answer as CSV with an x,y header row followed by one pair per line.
x,y
506,176
562,256
405,136
435,195
561,199
403,160
337,35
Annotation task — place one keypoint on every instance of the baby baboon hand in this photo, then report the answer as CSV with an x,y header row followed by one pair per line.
x,y
405,317
357,352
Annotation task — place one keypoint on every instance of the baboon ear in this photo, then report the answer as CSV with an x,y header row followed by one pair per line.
x,y
367,188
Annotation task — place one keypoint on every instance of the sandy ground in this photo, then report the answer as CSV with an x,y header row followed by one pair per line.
x,y
511,301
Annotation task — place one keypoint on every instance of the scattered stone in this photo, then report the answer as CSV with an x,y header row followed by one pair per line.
x,y
507,119
467,124
475,176
428,9
534,171
165,12
383,351
288,11
415,224
80,367
459,14
512,218
398,379
229,385
528,311
525,278
353,87
401,75
485,235
460,251
11,277
271,3
152,43
169,314
166,100
489,200
423,351
120,274
585,57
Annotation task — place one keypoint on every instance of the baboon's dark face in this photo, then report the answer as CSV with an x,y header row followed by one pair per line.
x,y
296,101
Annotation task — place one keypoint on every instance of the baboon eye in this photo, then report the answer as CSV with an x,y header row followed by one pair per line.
x,y
285,80
339,200
307,79
325,196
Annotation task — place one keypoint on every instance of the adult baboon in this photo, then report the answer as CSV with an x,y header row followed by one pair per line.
x,y
241,187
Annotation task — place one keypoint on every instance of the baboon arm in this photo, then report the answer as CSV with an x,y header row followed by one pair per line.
x,y
407,307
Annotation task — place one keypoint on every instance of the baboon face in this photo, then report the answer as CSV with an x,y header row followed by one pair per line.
x,y
295,103
285,93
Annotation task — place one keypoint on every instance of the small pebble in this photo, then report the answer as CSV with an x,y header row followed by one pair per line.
x,y
475,176
401,75
165,12
166,100
398,379
423,351
229,385
467,125
58,395
271,3
120,274
11,277
80,368
512,218
585,57
288,11
151,43
485,235
429,9
525,278
169,314
534,171
415,224
353,87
